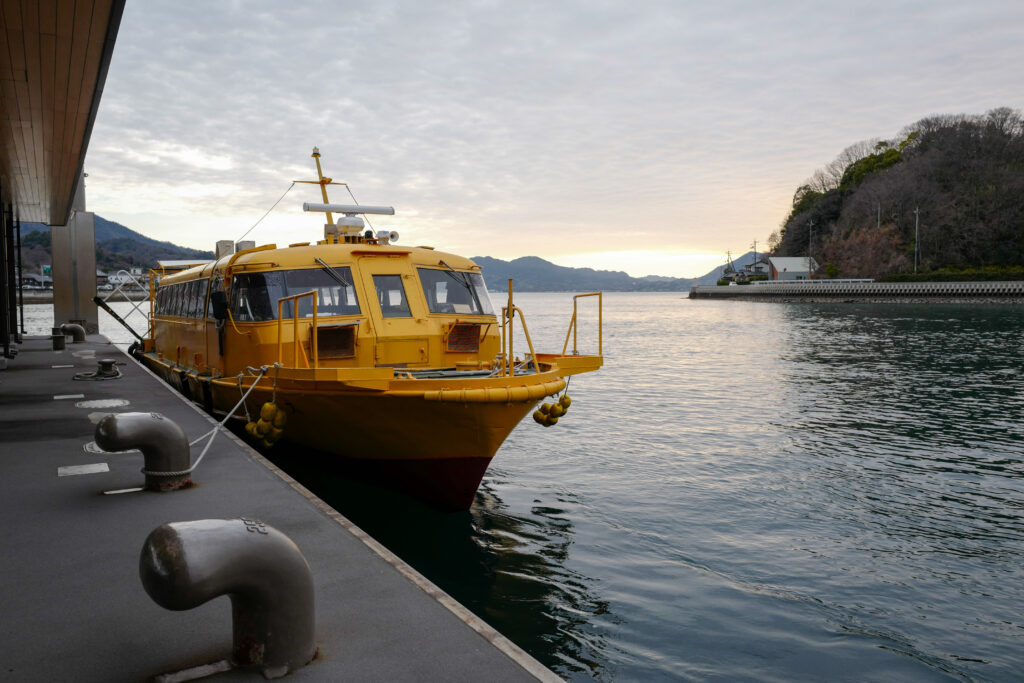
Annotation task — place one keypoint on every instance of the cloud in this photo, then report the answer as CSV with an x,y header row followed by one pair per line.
x,y
514,128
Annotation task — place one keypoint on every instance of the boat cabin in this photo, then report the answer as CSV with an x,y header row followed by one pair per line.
x,y
343,305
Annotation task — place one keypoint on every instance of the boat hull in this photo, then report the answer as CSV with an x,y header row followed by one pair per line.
x,y
428,444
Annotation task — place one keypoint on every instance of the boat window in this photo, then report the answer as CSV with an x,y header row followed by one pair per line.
x,y
192,290
254,296
202,286
391,296
217,286
455,291
333,297
176,292
250,300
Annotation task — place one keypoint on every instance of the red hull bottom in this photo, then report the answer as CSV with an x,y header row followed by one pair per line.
x,y
447,484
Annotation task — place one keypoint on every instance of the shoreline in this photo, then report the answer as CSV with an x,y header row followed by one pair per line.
x,y
36,296
782,299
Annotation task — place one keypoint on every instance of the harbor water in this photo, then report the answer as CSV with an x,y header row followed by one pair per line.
x,y
744,491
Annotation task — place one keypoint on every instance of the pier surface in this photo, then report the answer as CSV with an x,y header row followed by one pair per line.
x,y
73,606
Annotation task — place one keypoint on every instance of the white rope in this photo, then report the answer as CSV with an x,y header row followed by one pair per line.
x,y
267,213
212,433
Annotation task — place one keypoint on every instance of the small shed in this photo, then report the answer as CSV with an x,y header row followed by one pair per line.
x,y
792,267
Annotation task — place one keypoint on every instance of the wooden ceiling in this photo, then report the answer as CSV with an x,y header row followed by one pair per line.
x,y
54,56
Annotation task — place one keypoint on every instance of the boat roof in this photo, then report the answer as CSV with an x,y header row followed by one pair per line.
x,y
180,264
304,256
270,257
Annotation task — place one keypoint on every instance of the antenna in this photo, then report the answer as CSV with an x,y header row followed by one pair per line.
x,y
351,223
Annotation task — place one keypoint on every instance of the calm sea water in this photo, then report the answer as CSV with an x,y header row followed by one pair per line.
x,y
748,491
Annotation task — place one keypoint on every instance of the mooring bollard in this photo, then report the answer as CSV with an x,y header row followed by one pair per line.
x,y
162,442
186,564
77,332
58,338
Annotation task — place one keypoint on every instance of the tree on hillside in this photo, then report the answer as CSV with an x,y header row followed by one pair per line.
x,y
963,175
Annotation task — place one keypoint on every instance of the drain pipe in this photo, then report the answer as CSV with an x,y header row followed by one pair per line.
x,y
76,331
162,442
185,564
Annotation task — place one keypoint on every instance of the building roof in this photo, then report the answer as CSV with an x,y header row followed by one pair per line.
x,y
793,263
54,58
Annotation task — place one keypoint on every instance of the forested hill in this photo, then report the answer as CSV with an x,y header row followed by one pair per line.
x,y
117,247
533,274
964,175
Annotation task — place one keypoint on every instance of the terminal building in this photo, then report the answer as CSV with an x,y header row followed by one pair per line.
x,y
53,66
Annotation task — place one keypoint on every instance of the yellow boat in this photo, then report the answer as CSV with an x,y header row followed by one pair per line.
x,y
358,347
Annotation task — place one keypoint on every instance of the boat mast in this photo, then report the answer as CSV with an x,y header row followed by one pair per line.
x,y
323,182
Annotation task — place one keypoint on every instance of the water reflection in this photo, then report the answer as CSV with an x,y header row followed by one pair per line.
x,y
900,433
510,570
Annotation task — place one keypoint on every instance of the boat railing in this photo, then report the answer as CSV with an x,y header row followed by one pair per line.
x,y
508,313
125,283
573,327
506,336
294,298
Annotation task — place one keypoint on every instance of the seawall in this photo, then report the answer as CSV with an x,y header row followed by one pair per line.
x,y
862,291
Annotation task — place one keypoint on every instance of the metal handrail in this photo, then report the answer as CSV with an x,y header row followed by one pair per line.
x,y
294,298
762,283
510,371
508,313
135,306
572,325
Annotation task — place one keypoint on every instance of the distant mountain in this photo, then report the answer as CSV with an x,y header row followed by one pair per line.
x,y
116,247
534,274
120,247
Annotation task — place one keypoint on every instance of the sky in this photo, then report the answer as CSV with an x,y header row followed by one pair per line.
x,y
650,137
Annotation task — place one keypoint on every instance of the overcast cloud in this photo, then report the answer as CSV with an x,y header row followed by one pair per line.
x,y
643,136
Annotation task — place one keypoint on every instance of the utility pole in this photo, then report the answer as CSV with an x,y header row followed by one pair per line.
x,y
810,241
917,242
755,252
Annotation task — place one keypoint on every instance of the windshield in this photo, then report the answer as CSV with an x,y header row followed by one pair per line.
x,y
391,296
254,295
455,291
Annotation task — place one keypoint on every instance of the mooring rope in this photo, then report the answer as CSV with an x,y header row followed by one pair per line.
x,y
213,432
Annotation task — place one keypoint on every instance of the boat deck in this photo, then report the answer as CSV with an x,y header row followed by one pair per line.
x,y
73,606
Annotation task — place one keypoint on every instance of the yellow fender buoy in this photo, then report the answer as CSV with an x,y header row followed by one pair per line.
x,y
548,413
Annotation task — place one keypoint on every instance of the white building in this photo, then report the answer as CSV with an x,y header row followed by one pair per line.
x,y
792,267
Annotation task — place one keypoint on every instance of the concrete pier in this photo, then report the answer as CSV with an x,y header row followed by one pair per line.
x,y
73,604
866,291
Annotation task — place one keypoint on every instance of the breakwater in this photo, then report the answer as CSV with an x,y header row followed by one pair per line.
x,y
867,291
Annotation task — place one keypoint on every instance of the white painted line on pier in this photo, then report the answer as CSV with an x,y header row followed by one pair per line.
x,y
58,367
101,402
195,672
61,397
71,470
116,492
83,354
